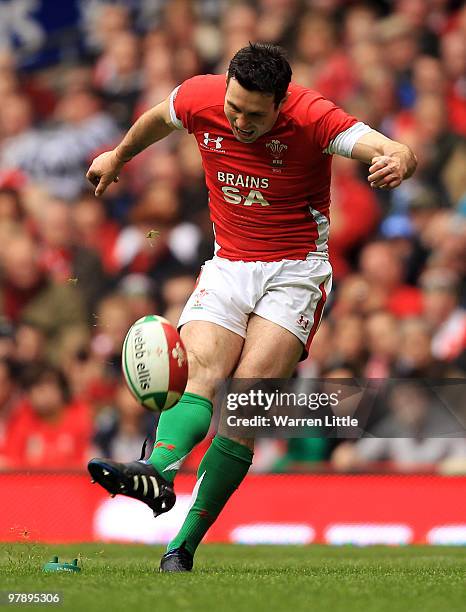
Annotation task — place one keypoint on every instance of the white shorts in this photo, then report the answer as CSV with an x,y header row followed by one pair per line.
x,y
290,293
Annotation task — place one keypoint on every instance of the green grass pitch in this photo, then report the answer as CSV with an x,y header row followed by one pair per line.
x,y
237,578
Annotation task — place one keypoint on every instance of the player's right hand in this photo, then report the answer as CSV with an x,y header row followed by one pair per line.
x,y
103,171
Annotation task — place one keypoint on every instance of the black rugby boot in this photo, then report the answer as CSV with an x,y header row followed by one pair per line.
x,y
136,479
177,560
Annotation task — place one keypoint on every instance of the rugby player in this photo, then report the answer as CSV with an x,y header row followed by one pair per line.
x,y
266,147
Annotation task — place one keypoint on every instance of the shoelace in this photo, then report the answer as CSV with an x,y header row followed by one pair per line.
x,y
143,449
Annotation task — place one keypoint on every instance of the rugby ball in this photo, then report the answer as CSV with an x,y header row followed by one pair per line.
x,y
154,363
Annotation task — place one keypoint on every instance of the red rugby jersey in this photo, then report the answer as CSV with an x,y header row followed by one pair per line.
x,y
269,200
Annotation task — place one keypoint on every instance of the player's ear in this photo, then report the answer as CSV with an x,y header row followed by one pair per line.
x,y
285,98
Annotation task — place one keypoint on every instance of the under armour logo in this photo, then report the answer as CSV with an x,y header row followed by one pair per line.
x,y
303,322
217,140
168,446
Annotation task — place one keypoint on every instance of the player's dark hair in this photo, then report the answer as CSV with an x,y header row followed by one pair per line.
x,y
262,67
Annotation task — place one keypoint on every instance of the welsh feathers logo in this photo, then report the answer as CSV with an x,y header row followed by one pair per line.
x,y
199,298
276,150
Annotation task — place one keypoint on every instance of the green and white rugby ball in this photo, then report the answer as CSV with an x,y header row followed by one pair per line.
x,y
154,363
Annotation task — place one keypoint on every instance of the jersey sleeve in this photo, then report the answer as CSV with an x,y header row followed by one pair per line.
x,y
327,121
344,142
186,100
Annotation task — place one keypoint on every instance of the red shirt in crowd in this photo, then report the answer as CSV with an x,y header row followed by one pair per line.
x,y
33,442
356,213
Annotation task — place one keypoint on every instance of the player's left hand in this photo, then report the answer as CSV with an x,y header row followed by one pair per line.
x,y
385,172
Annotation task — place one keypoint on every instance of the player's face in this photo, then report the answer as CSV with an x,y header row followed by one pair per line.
x,y
250,113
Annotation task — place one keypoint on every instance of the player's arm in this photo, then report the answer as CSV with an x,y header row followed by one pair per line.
x,y
390,162
152,126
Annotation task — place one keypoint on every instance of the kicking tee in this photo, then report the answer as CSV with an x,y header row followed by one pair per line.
x,y
269,199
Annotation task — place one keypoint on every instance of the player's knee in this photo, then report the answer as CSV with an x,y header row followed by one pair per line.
x,y
202,373
280,368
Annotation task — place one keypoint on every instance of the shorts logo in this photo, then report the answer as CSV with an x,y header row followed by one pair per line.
x,y
215,141
198,298
276,150
303,322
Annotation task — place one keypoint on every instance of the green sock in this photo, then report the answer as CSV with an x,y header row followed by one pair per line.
x,y
179,430
220,473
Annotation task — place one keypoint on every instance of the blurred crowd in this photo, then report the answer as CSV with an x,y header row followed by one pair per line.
x,y
75,271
